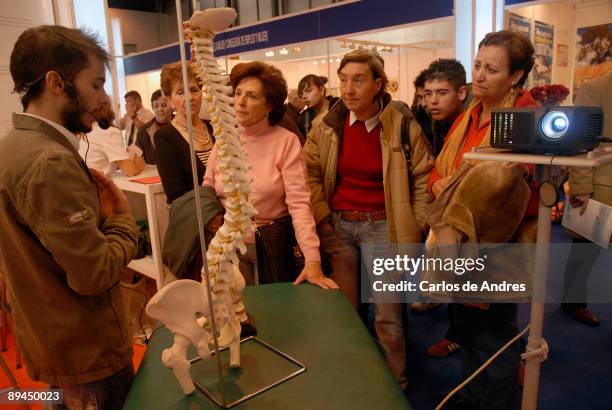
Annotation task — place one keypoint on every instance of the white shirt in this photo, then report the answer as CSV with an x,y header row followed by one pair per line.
x,y
369,124
143,115
69,136
105,147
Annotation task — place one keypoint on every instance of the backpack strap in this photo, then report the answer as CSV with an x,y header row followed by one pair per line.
x,y
405,141
407,148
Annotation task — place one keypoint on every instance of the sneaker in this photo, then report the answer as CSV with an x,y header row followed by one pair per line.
x,y
420,307
583,315
442,348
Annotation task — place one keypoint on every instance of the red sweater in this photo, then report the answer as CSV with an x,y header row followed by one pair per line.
x,y
359,184
473,138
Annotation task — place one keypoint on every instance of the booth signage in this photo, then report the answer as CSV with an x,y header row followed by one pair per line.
x,y
340,20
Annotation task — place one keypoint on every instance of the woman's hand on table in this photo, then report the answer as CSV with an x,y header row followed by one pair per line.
x,y
313,274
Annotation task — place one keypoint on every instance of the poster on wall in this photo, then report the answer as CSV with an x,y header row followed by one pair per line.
x,y
543,41
522,25
14,21
519,24
593,53
562,55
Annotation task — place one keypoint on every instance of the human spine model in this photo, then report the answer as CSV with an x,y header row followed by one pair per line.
x,y
225,278
239,211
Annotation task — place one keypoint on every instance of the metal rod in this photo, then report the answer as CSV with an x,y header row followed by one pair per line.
x,y
196,185
211,395
534,342
594,158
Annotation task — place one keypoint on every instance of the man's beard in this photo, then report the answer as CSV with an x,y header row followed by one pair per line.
x,y
72,115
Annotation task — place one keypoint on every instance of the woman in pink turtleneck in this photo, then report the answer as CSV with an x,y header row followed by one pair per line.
x,y
278,168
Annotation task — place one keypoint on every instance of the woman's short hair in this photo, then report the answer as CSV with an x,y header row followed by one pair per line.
x,y
373,60
518,47
316,80
174,72
273,82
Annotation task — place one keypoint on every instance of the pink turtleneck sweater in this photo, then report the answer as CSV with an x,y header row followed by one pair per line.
x,y
279,179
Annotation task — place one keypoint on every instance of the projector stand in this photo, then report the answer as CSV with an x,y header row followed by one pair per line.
x,y
537,348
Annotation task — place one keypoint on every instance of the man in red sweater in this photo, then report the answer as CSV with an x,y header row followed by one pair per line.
x,y
367,188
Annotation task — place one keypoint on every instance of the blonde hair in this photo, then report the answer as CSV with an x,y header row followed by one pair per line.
x,y
174,72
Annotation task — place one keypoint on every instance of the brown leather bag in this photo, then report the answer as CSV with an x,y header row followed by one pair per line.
x,y
279,258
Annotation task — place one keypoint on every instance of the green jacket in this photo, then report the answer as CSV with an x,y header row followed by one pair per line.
x,y
405,196
181,253
61,261
595,181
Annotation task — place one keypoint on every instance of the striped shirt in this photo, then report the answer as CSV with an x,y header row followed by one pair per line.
x,y
203,156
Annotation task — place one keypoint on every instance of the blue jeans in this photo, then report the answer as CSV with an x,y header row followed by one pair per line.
x,y
107,394
350,250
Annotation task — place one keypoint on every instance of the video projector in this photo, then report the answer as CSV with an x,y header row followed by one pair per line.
x,y
547,130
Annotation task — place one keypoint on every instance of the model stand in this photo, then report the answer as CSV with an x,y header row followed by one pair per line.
x,y
210,313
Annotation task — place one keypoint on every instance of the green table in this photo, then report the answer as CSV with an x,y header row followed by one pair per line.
x,y
345,369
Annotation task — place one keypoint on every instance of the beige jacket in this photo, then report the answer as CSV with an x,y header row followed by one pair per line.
x,y
595,181
404,197
61,261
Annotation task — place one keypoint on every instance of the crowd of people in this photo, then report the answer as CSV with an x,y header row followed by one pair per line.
x,y
345,175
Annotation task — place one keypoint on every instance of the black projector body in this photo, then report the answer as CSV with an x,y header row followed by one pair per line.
x,y
547,130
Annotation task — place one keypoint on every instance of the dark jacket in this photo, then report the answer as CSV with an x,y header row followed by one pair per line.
x,y
308,115
60,259
439,130
181,252
289,122
174,162
144,141
424,119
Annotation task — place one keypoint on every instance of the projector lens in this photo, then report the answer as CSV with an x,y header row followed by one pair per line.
x,y
555,124
559,124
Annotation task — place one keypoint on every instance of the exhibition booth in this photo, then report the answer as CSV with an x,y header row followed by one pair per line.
x,y
555,28
311,349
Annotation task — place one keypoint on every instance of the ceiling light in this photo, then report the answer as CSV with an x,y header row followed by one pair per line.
x,y
322,61
297,49
269,53
315,62
283,51
338,60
